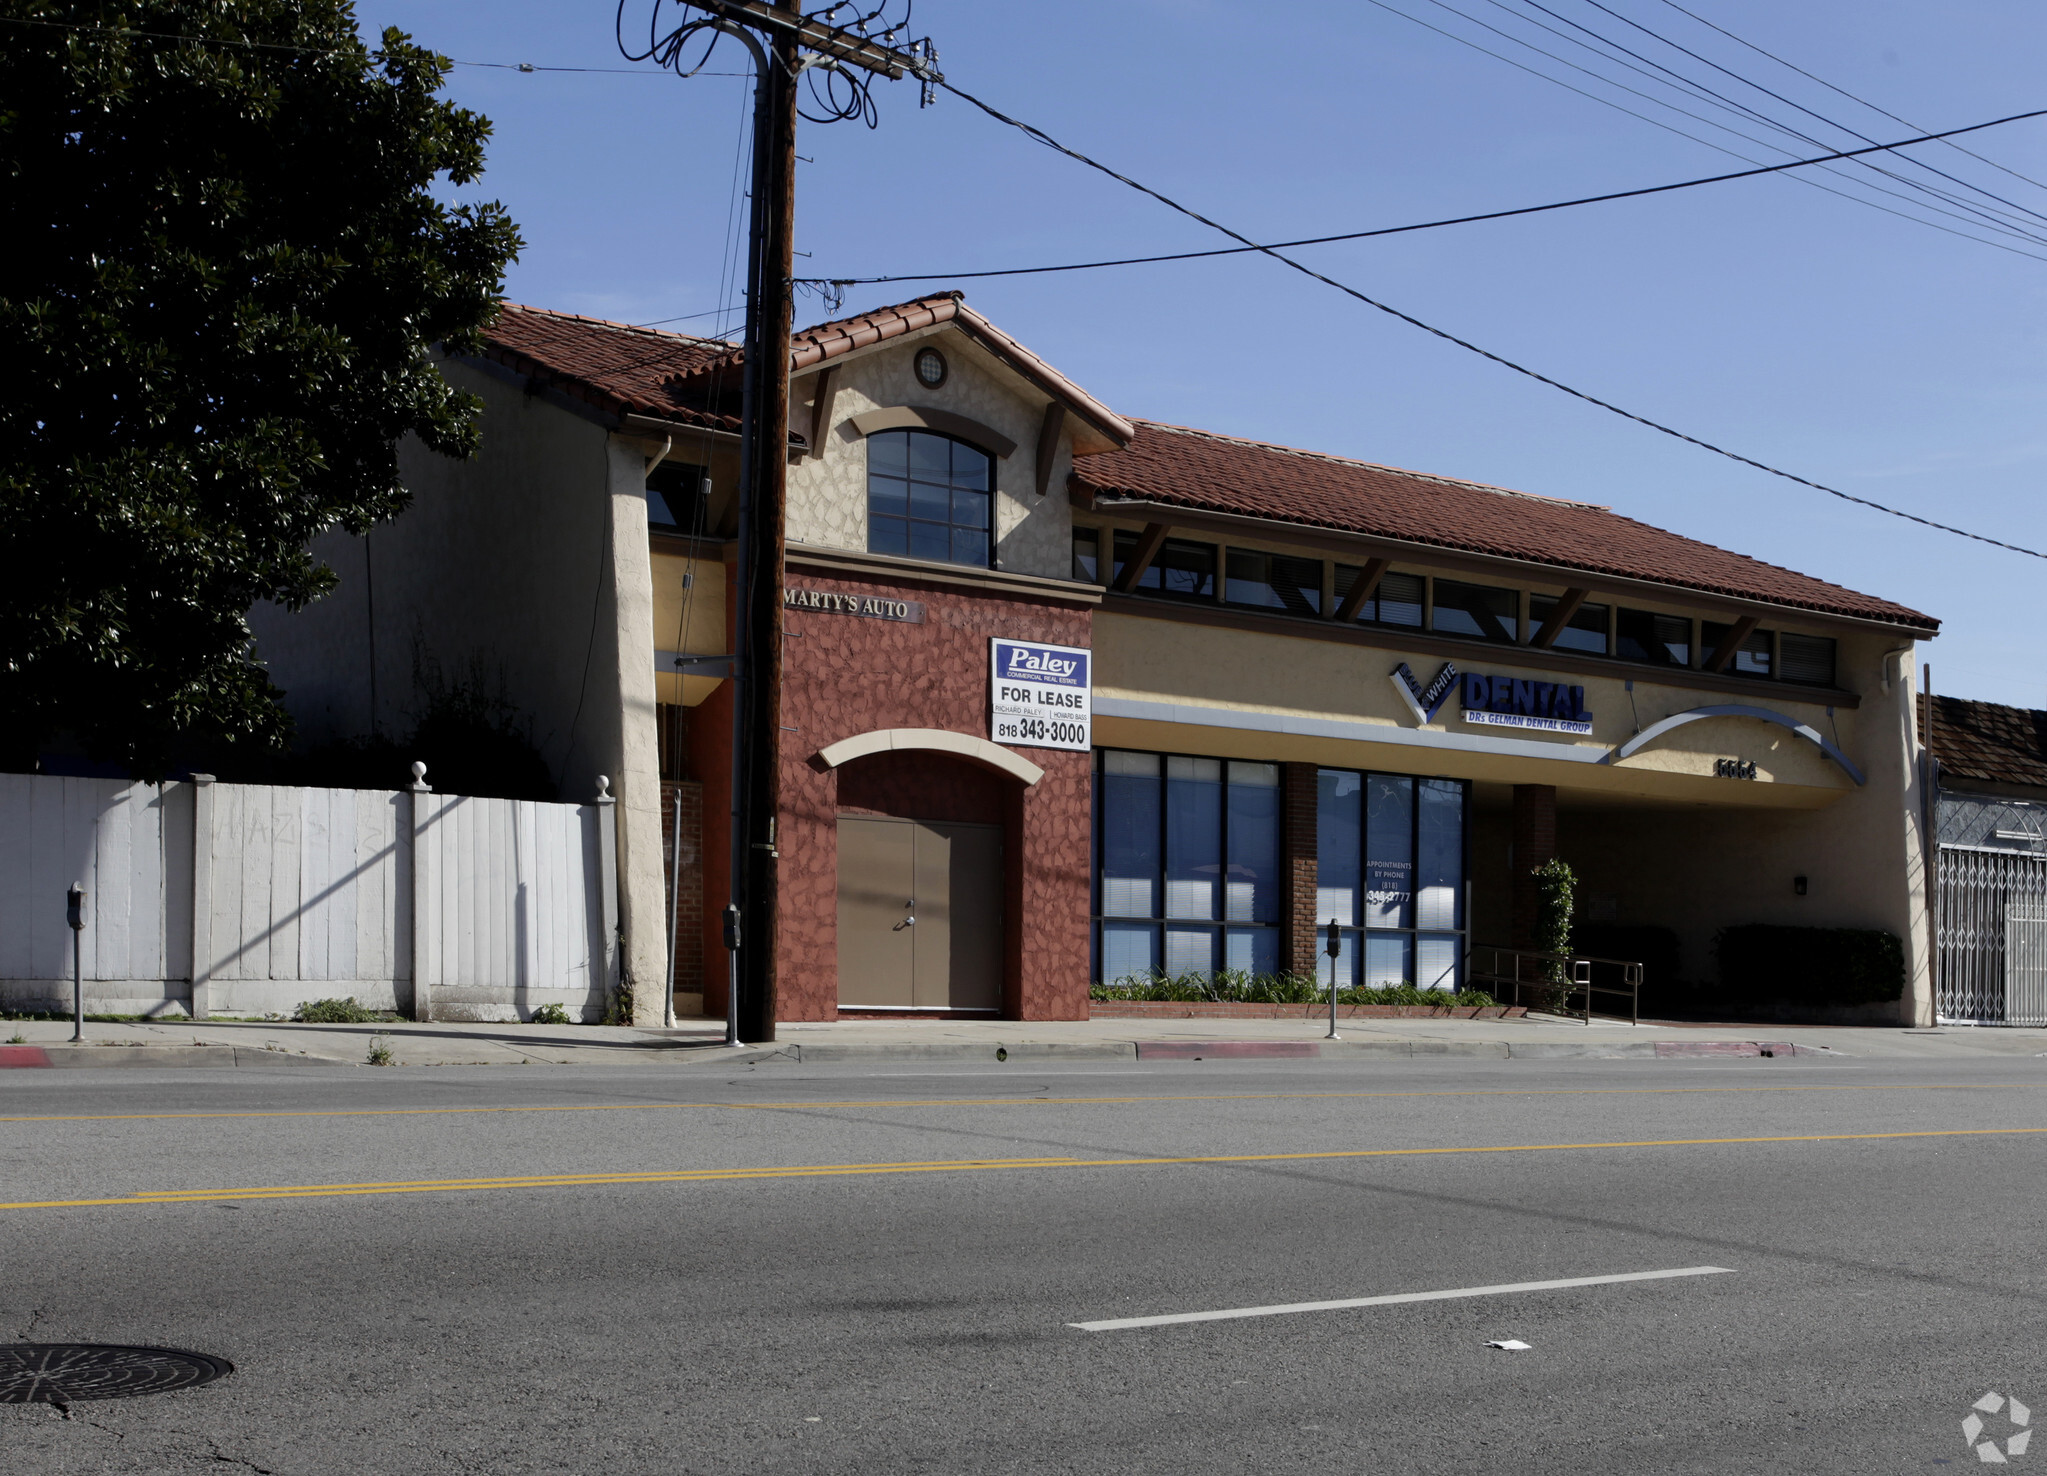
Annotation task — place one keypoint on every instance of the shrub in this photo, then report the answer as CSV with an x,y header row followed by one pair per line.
x,y
1235,986
335,1012
551,1014
380,1051
1761,963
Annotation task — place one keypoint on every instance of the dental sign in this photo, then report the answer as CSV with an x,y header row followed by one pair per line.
x,y
1039,696
1496,701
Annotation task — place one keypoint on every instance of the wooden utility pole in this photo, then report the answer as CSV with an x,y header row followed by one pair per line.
x,y
791,42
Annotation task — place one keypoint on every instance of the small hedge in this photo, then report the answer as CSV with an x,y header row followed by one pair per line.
x,y
1234,986
1763,963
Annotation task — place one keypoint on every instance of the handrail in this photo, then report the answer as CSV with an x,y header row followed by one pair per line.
x,y
1570,973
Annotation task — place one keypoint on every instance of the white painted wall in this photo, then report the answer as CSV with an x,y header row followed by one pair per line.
x,y
299,894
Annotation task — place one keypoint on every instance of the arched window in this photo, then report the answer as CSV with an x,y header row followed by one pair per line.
x,y
930,497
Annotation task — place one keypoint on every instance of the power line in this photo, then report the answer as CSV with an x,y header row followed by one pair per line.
x,y
1425,225
1701,89
1844,92
1040,136
1657,122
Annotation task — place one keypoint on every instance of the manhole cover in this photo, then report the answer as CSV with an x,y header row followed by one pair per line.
x,y
62,1373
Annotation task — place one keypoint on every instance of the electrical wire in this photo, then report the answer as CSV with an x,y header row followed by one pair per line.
x,y
1714,97
1426,225
1844,92
1040,136
1659,123
1810,113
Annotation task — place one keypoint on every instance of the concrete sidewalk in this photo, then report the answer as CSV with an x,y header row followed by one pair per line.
x,y
47,1043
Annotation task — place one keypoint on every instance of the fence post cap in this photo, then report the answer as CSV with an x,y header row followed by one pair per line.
x,y
419,784
604,795
202,779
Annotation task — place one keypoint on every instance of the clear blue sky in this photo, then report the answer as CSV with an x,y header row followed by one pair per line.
x,y
1877,355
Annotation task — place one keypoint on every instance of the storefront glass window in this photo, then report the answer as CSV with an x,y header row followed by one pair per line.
x,y
1194,836
1188,857
1251,891
1480,610
1273,582
1130,834
1339,843
1390,870
1389,851
1663,639
930,497
1584,631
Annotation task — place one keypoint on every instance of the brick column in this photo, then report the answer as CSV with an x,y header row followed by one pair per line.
x,y
686,948
1298,946
1535,841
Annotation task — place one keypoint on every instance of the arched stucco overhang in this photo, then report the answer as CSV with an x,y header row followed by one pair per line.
x,y
1735,709
931,740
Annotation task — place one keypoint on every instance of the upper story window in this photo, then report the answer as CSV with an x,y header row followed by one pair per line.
x,y
1481,610
1584,631
676,497
930,497
1664,640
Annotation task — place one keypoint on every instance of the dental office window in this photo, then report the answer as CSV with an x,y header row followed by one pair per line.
x,y
1390,873
1585,631
930,497
1274,582
1751,658
676,497
1481,610
1180,569
1663,640
1397,600
1187,864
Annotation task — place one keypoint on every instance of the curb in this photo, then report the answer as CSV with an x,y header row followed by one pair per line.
x,y
63,1056
990,1052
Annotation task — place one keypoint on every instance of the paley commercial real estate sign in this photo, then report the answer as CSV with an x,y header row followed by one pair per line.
x,y
1039,696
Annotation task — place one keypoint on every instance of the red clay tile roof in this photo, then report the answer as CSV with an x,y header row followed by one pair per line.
x,y
671,376
830,340
1982,740
1199,470
617,367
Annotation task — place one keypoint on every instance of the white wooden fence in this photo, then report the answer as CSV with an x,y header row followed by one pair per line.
x,y
250,899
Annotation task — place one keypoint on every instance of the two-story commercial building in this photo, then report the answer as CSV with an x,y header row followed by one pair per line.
x,y
1070,695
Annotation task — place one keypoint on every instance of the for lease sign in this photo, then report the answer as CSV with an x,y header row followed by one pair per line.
x,y
1039,695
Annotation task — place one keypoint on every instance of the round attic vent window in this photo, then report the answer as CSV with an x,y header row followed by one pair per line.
x,y
931,367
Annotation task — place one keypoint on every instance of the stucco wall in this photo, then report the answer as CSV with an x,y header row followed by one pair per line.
x,y
1660,835
828,493
525,571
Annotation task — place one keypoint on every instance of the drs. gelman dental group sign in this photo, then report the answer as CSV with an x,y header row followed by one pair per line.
x,y
1039,696
1497,701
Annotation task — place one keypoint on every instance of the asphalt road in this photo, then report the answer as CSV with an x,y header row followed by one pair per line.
x,y
678,1271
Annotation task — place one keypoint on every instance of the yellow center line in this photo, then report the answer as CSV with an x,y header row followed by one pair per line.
x,y
932,1166
1938,1086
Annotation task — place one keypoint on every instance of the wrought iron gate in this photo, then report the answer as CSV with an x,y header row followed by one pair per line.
x,y
1992,936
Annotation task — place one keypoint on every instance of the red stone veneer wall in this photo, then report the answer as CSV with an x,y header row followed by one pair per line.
x,y
845,675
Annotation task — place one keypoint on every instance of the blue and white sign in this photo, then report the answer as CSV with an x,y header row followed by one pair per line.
x,y
1510,702
1040,696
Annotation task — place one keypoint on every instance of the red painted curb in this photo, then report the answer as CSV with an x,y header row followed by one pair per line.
x,y
1728,1048
23,1056
1195,1050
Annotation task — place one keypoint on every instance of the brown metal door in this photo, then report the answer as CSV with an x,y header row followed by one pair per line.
x,y
877,876
958,948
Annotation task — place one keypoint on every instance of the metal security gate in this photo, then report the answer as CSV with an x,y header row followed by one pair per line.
x,y
1992,937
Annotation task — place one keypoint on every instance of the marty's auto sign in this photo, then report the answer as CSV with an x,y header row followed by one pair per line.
x,y
1039,695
